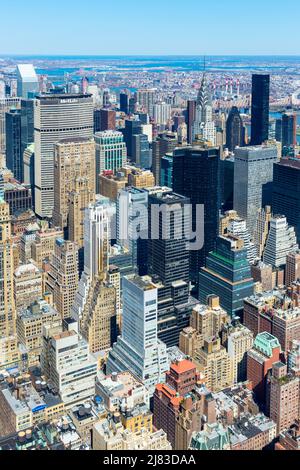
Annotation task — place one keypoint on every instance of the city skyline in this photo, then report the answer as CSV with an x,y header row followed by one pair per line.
x,y
150,229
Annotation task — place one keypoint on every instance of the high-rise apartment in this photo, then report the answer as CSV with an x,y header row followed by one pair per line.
x,y
292,268
145,98
284,397
239,341
215,363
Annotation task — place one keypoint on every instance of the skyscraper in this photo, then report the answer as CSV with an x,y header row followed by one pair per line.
x,y
280,242
145,98
27,125
190,166
107,119
235,131
129,203
204,126
124,102
74,171
253,176
161,112
164,143
227,274
62,277
14,157
141,151
138,348
95,303
190,117
5,106
110,153
289,129
260,109
8,339
286,191
56,117
27,80
168,261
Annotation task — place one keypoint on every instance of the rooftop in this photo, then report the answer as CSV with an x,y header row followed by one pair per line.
x,y
182,366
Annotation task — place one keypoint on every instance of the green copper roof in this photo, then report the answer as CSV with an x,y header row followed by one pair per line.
x,y
265,343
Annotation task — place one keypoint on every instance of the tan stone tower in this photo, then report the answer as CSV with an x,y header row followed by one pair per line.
x,y
8,339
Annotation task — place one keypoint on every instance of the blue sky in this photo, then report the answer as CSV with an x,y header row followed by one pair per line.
x,y
107,27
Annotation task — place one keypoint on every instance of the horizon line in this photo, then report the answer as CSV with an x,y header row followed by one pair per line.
x,y
142,55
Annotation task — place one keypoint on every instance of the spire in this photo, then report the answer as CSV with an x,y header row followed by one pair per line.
x,y
204,98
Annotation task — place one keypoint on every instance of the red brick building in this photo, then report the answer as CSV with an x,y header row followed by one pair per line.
x,y
180,380
260,359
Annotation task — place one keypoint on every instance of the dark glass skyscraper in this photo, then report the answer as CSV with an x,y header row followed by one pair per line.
x,y
227,274
196,175
14,160
97,120
132,127
260,109
164,143
286,191
235,131
27,125
168,263
124,103
289,129
141,151
190,118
